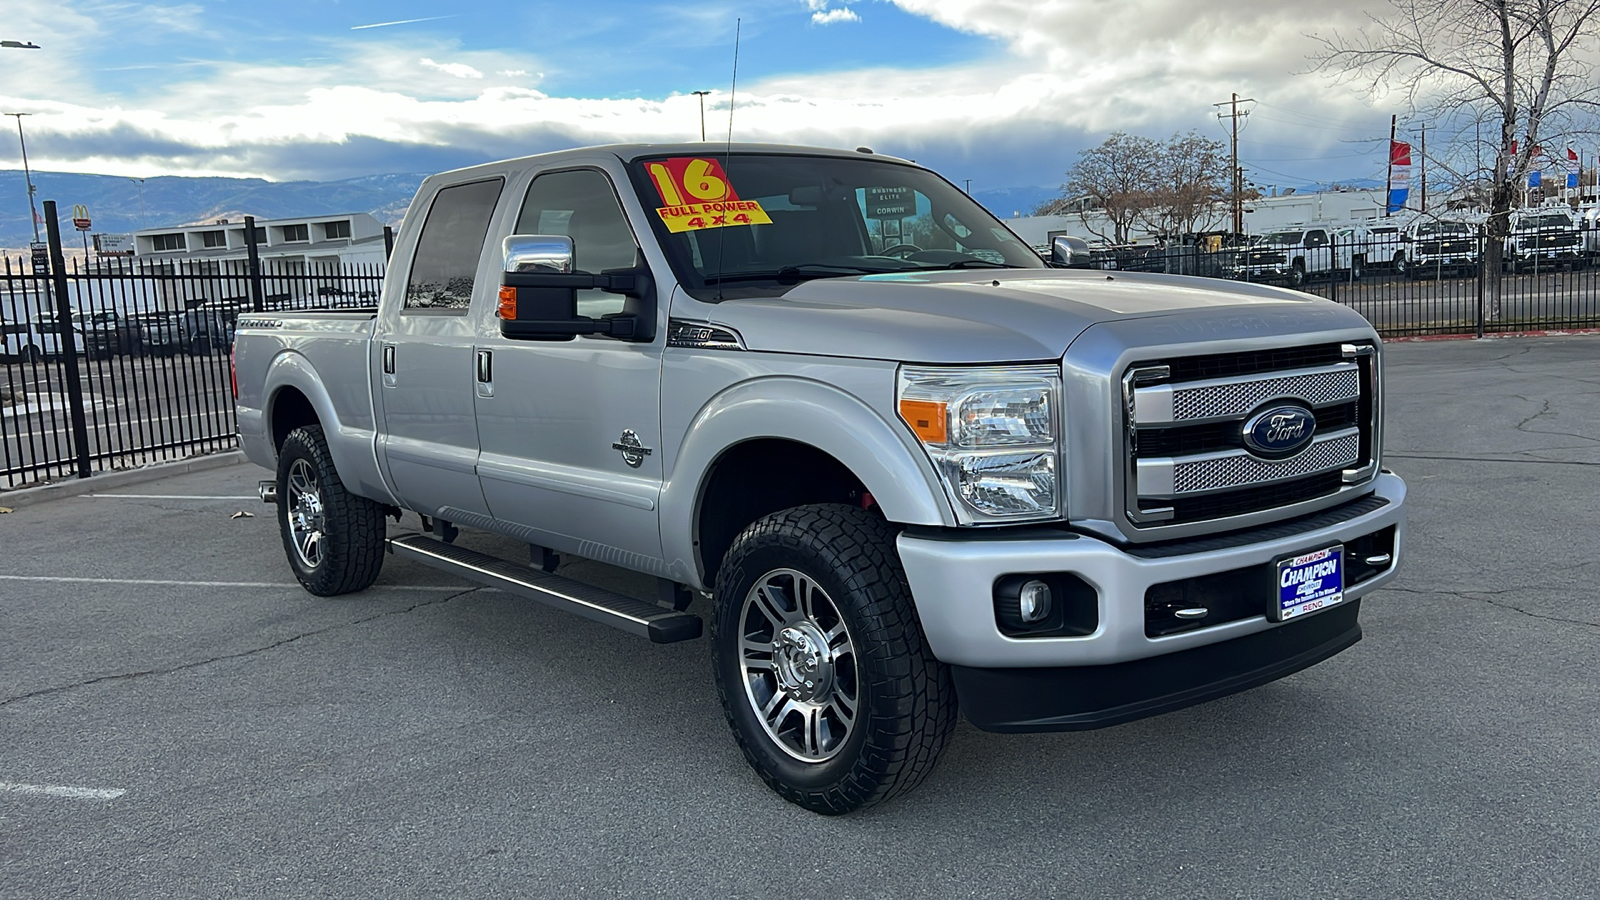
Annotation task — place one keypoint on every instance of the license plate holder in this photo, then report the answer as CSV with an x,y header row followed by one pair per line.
x,y
1308,583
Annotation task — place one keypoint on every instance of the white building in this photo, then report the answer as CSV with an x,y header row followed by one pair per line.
x,y
290,244
1260,216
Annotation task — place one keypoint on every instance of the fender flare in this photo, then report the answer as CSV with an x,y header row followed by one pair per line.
x,y
354,450
885,458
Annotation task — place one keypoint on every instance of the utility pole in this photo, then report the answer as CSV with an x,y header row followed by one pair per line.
x,y
1424,167
1238,181
969,187
27,175
702,96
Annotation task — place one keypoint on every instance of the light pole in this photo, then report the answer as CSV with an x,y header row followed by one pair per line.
x,y
27,174
702,96
140,183
20,45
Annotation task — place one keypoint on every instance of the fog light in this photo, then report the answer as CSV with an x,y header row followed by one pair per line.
x,y
1033,602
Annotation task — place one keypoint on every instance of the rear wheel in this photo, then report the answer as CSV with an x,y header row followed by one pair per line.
x,y
31,353
333,538
820,662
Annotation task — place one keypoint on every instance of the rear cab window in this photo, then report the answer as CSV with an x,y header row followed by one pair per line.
x,y
445,265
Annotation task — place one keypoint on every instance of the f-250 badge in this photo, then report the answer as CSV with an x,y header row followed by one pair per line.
x,y
633,452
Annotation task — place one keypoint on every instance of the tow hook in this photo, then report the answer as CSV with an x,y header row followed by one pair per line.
x,y
269,491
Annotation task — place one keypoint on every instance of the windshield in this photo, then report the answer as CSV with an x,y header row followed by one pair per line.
x,y
760,223
1283,237
1551,221
1439,228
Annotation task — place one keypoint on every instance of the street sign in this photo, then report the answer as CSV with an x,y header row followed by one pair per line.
x,y
80,217
113,244
41,257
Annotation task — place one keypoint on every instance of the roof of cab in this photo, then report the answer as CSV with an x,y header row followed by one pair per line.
x,y
630,152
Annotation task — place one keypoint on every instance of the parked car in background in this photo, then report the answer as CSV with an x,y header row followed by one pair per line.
x,y
1441,246
207,330
1589,223
1543,238
1386,252
1294,256
108,333
35,340
160,334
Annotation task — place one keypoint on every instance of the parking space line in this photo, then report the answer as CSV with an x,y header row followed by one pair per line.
x,y
169,497
57,790
164,582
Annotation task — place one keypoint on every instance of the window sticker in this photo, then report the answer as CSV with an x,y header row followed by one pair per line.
x,y
697,196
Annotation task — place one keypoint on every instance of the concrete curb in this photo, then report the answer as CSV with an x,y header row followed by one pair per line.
x,y
79,486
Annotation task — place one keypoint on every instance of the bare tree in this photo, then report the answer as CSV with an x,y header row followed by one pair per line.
x,y
1526,63
1191,184
1114,179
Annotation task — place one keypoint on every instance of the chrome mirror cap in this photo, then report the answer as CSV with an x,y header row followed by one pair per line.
x,y
537,253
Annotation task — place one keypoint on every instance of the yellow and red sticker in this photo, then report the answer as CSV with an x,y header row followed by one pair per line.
x,y
697,196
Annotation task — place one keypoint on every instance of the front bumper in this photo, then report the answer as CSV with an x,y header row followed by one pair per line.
x,y
953,576
1083,697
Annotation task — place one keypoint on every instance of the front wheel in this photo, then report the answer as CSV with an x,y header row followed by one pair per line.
x,y
333,538
1297,274
821,664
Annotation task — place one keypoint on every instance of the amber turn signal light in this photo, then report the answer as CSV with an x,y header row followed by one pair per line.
x,y
508,302
928,418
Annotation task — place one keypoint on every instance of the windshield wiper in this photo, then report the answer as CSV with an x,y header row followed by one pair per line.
x,y
801,272
966,264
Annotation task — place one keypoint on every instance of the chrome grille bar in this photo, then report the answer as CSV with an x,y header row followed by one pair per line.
x,y
1213,472
1230,398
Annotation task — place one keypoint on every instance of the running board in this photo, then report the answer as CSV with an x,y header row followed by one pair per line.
x,y
660,625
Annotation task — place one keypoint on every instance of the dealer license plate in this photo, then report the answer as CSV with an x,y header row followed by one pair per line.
x,y
1309,583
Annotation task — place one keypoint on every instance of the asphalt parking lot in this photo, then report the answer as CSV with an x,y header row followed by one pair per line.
x,y
179,719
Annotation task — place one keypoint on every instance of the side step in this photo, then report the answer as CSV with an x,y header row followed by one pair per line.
x,y
660,625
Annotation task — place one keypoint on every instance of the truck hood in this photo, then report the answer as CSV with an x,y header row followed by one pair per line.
x,y
969,316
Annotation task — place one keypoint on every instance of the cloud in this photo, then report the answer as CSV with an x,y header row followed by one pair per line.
x,y
459,70
830,16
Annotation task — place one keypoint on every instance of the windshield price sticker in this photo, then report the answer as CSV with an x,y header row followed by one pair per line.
x,y
1309,583
697,196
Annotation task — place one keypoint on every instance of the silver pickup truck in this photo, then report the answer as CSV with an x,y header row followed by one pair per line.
x,y
902,461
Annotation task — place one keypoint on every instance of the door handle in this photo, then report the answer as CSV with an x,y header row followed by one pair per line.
x,y
388,359
485,366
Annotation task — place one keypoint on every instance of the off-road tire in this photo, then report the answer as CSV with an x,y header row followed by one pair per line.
x,y
353,527
907,701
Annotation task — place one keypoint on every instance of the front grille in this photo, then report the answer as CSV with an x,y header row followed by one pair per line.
x,y
1187,458
1265,258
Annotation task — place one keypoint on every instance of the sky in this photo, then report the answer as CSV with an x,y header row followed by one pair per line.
x,y
1003,93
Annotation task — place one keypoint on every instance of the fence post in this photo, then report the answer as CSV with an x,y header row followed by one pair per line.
x,y
388,242
1333,269
257,302
1483,268
69,343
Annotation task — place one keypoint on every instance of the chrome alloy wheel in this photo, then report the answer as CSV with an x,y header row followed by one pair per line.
x,y
799,665
304,508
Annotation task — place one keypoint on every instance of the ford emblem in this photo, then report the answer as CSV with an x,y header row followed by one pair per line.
x,y
1280,431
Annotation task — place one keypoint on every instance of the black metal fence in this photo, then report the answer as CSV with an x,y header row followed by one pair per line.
x,y
116,363
1407,288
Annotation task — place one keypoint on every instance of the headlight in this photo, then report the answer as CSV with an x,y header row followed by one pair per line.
x,y
992,433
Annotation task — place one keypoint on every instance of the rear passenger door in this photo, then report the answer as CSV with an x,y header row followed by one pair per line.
x,y
423,365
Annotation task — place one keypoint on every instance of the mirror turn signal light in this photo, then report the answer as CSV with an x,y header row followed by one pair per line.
x,y
508,302
929,419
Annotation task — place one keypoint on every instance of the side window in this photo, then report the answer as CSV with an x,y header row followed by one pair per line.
x,y
582,205
1316,239
446,261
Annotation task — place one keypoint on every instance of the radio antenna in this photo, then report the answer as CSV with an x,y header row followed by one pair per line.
x,y
727,155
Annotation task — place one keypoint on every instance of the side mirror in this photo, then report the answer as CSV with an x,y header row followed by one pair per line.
x,y
1070,253
539,293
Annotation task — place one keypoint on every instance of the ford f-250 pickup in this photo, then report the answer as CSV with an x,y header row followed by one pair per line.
x,y
908,462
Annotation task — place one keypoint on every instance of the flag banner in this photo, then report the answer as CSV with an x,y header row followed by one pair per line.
x,y
1573,168
1535,179
1399,175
